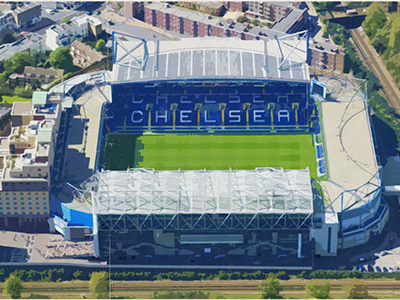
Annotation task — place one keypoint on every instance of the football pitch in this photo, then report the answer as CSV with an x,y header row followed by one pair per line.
x,y
213,152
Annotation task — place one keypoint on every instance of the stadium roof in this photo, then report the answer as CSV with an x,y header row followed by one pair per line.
x,y
146,191
280,58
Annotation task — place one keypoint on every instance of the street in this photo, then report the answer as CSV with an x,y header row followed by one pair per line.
x,y
120,24
376,64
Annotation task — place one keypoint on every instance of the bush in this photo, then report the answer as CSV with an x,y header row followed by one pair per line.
x,y
13,287
357,290
196,294
271,287
99,285
100,45
318,291
22,92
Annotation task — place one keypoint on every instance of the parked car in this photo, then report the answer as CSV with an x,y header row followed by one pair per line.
x,y
378,269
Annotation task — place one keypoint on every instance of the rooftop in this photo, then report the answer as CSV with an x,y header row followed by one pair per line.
x,y
85,50
25,7
288,20
39,98
212,20
21,108
324,46
43,71
145,191
200,58
84,19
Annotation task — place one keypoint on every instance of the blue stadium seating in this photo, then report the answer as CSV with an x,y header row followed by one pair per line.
x,y
173,106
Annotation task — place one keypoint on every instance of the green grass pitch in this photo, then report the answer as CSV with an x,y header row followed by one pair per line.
x,y
214,152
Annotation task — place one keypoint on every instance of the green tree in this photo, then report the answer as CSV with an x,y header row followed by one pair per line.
x,y
381,40
394,37
13,287
318,291
17,63
271,287
99,285
375,19
100,45
66,20
357,290
61,59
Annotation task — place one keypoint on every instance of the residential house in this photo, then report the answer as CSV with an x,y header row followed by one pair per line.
x,y
27,14
34,75
65,34
83,55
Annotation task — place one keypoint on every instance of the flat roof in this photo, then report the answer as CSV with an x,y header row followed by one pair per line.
x,y
39,98
288,20
351,158
21,108
212,58
146,191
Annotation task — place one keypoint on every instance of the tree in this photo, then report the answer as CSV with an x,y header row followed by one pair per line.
x,y
271,287
394,37
100,45
61,59
17,63
375,19
357,290
381,40
13,287
99,285
318,291
66,20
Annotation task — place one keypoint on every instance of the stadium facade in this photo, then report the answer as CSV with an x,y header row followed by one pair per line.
x,y
265,217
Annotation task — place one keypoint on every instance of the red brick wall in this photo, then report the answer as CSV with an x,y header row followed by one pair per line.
x,y
217,31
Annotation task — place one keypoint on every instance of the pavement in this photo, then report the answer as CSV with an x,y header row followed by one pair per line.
x,y
83,133
376,64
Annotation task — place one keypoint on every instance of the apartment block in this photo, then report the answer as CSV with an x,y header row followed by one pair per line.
x,y
271,11
27,14
326,56
26,157
134,9
197,24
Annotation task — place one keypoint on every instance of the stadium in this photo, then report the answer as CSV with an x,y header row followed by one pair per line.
x,y
219,152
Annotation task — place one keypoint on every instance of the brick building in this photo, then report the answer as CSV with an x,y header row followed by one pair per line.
x,y
325,56
197,24
271,11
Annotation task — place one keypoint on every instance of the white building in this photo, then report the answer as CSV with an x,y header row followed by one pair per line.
x,y
65,34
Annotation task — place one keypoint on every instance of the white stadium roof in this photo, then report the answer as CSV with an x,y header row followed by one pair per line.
x,y
281,58
146,191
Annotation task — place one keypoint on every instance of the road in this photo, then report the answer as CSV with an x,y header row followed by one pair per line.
x,y
376,64
120,24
